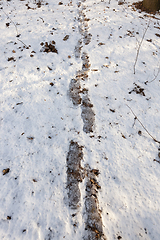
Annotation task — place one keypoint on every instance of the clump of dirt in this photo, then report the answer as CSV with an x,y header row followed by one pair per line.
x,y
48,47
38,3
74,174
5,171
11,59
66,38
138,90
93,224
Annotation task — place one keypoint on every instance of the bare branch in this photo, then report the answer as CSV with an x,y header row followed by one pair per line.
x,y
156,160
154,77
23,43
15,27
143,125
140,46
11,21
3,68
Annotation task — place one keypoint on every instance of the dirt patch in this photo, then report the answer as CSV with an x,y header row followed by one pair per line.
x,y
87,37
138,90
74,91
82,75
87,114
38,4
48,47
93,224
83,28
74,174
85,64
78,49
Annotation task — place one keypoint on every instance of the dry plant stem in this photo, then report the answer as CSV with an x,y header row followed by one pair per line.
x,y
140,46
11,21
156,161
143,125
3,68
23,43
154,77
15,27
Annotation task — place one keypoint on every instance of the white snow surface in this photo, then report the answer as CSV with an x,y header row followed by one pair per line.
x,y
38,120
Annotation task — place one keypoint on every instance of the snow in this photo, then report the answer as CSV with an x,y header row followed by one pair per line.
x,y
38,119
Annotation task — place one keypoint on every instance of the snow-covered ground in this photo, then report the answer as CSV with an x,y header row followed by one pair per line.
x,y
68,95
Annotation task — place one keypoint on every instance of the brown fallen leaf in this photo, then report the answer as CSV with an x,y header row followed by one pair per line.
x,y
5,171
66,38
158,35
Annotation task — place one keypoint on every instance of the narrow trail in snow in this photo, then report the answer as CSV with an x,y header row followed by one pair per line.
x,y
78,94
75,173
93,224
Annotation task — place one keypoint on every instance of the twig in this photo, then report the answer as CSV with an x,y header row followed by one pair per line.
x,y
23,43
15,27
140,46
143,125
11,21
154,77
3,68
154,160
42,19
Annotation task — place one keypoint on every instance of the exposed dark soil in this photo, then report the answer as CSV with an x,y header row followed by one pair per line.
x,y
86,64
74,174
78,49
93,224
74,91
48,47
138,90
81,97
38,4
87,38
87,114
11,59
